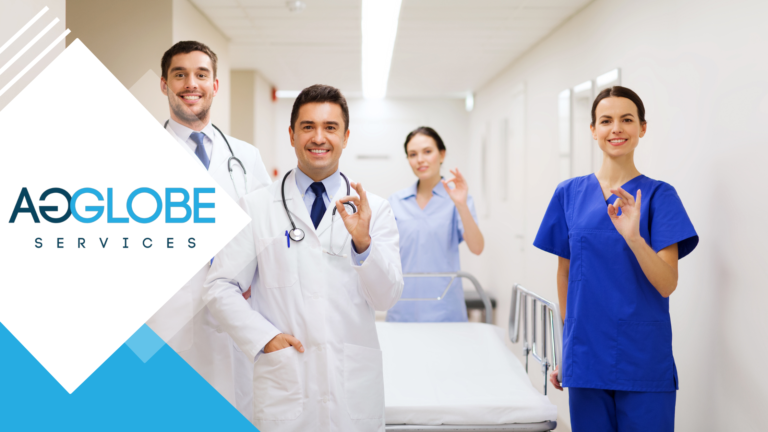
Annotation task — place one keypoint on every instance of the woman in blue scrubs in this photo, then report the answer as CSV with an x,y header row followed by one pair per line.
x,y
432,219
618,235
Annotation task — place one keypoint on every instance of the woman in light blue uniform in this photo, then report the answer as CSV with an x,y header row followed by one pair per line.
x,y
432,219
618,255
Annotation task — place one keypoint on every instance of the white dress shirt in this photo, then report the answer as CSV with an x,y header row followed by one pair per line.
x,y
184,132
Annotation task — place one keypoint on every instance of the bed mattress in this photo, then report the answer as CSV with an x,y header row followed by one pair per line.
x,y
455,374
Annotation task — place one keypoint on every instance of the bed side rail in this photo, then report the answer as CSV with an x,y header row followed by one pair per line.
x,y
545,318
460,274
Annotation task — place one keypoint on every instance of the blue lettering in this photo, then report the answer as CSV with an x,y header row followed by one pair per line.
x,y
136,193
98,209
24,196
183,204
199,205
44,210
110,218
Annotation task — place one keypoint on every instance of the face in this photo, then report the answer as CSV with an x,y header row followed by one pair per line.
x,y
617,127
318,137
190,88
424,157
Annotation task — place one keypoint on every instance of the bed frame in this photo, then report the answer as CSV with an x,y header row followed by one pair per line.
x,y
519,312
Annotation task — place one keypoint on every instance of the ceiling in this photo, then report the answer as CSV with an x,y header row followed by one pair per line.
x,y
443,47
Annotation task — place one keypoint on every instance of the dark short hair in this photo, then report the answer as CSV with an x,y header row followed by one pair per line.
x,y
320,93
619,91
186,47
427,131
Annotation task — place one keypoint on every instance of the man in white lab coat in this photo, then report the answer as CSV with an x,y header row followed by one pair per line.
x,y
311,330
190,83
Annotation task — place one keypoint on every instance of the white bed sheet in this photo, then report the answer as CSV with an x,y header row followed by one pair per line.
x,y
455,373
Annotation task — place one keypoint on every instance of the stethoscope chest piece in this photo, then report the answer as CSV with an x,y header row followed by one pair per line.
x,y
296,234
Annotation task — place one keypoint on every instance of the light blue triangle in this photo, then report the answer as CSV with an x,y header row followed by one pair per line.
x,y
145,343
124,394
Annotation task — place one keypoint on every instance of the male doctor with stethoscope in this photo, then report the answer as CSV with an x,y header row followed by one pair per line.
x,y
323,268
190,83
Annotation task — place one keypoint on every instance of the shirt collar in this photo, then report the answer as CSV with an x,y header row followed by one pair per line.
x,y
184,132
409,192
331,183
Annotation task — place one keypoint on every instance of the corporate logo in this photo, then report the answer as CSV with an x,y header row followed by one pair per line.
x,y
93,208
104,216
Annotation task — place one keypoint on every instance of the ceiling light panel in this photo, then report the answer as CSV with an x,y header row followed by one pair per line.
x,y
379,27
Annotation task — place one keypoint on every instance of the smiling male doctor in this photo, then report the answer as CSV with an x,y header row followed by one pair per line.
x,y
318,364
190,83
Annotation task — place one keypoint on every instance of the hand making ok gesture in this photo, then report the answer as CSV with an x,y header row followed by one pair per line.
x,y
628,223
358,224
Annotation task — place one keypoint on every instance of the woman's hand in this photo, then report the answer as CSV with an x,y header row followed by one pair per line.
x,y
553,379
628,224
460,192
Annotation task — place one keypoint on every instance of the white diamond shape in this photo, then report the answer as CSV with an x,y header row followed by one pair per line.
x,y
77,126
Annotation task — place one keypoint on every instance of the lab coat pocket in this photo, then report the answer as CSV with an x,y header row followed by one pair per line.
x,y
277,389
363,382
644,351
277,263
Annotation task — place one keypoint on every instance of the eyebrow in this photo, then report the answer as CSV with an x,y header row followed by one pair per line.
x,y
310,122
624,115
182,68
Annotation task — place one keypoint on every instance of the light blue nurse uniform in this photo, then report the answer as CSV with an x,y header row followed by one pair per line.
x,y
429,243
617,335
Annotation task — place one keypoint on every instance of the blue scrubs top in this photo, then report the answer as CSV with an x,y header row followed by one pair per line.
x,y
617,333
429,243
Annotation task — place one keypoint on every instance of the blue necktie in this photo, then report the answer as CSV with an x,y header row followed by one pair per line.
x,y
318,207
198,138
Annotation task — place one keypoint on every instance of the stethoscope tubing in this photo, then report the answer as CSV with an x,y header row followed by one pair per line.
x,y
229,161
297,234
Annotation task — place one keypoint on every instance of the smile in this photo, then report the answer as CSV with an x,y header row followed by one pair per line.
x,y
319,151
191,97
617,142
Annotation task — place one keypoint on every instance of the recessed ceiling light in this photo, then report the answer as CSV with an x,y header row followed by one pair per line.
x,y
295,6
379,25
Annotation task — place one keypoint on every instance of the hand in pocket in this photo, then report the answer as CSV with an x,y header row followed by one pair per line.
x,y
283,341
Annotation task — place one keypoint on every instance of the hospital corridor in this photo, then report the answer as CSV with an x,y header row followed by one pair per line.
x,y
428,246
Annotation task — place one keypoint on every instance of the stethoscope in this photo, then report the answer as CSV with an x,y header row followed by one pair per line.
x,y
229,161
297,234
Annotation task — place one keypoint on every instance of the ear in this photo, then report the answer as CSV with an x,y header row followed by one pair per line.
x,y
644,127
215,86
163,86
442,156
594,132
290,135
346,138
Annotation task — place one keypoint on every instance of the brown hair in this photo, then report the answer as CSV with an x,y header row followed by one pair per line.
x,y
320,93
426,131
619,91
186,47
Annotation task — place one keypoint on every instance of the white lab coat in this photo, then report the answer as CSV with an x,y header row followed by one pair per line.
x,y
184,322
325,301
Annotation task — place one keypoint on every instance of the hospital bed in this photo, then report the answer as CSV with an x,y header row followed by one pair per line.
x,y
461,376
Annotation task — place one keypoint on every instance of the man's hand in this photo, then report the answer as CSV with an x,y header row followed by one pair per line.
x,y
358,224
247,294
283,341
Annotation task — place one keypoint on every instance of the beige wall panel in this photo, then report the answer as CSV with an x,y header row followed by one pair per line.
x,y
190,24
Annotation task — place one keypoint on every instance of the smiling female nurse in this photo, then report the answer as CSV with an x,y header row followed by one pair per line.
x,y
432,219
617,267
